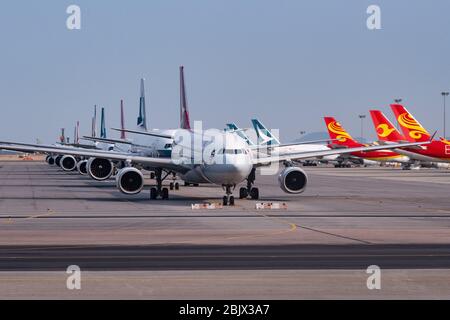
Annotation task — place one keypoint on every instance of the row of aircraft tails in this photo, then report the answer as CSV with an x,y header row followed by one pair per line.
x,y
434,153
232,162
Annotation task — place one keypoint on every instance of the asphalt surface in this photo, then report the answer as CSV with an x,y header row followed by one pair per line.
x,y
113,258
320,246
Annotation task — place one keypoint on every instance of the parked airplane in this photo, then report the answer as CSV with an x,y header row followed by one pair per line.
x,y
436,150
345,140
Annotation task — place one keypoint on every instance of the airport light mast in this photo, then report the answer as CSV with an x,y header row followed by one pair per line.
x,y
362,117
444,95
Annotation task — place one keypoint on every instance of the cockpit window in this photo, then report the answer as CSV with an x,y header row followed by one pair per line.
x,y
230,151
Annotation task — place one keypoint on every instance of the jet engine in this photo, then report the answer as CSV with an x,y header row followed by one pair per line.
x,y
50,160
293,180
82,167
58,160
100,169
68,163
130,180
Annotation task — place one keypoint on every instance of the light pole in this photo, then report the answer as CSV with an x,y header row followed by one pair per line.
x,y
362,116
444,95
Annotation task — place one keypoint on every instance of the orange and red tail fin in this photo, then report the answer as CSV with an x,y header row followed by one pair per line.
x,y
338,133
384,128
411,128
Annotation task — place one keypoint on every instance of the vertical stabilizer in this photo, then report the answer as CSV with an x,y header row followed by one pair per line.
x,y
384,128
102,125
122,122
265,137
411,128
240,133
339,134
184,113
142,118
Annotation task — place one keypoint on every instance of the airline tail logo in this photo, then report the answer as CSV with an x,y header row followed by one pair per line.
x,y
141,120
264,135
384,131
336,128
416,131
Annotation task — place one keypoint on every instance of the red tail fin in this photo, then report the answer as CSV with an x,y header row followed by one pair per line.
x,y
338,133
184,113
411,128
386,131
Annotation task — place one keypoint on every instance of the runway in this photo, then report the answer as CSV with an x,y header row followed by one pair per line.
x,y
290,257
347,220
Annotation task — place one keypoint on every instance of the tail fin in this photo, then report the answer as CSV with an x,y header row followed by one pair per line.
x,y
184,113
265,137
76,136
242,134
102,125
122,122
94,123
411,128
142,118
386,131
338,133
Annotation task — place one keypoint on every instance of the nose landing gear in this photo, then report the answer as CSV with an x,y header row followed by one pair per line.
x,y
249,190
228,199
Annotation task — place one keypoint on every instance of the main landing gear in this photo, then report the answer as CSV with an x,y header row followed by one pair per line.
x,y
228,199
159,191
174,184
245,192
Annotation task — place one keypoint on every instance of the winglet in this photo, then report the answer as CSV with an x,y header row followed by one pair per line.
x,y
432,137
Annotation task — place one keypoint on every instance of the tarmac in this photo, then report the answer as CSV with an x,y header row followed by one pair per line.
x,y
318,248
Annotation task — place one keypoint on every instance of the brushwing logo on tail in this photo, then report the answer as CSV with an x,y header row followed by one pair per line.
x,y
416,131
341,134
384,131
264,138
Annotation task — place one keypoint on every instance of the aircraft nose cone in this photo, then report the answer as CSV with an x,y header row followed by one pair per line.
x,y
227,173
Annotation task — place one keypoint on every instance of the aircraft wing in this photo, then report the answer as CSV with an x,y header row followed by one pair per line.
x,y
145,133
106,140
312,154
154,162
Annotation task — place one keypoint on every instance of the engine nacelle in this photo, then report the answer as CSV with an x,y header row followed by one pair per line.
x,y
58,160
293,180
50,160
68,163
130,180
82,167
100,169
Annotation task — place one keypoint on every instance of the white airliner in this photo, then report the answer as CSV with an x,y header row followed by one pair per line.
x,y
227,167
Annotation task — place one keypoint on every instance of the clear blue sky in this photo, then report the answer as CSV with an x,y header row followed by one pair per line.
x,y
287,62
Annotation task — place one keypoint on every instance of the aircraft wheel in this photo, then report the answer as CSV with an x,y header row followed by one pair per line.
x,y
254,193
177,186
186,184
165,193
153,193
171,186
243,193
225,200
231,201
